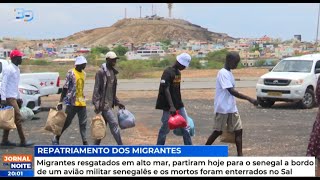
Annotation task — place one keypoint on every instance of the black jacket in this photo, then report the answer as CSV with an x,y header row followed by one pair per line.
x,y
99,91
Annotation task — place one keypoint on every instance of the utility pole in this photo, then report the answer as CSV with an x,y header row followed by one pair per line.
x,y
170,8
316,43
140,11
125,13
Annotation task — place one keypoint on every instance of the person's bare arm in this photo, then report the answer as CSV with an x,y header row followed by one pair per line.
x,y
239,95
169,99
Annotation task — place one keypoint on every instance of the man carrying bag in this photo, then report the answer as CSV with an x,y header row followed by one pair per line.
x,y
10,96
73,96
7,118
104,96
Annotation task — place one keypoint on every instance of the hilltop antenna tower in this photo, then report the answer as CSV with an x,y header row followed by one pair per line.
x,y
151,9
170,8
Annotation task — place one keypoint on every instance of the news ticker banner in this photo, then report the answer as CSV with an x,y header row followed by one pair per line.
x,y
156,161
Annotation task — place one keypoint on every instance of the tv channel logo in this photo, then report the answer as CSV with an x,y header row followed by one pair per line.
x,y
17,161
23,14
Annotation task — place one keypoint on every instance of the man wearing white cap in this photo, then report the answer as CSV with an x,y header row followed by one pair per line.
x,y
169,98
72,95
104,96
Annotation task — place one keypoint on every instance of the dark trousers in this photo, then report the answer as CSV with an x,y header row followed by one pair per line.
x,y
17,120
71,111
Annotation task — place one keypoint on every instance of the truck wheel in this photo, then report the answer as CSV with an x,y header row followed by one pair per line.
x,y
308,100
265,103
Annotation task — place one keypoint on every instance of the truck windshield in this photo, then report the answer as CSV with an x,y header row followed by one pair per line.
x,y
293,66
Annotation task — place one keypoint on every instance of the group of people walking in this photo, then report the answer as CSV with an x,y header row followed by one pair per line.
x,y
169,100
104,99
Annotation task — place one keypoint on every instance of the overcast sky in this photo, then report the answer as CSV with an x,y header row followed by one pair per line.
x,y
236,19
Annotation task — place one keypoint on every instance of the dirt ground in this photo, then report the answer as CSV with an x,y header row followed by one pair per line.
x,y
203,73
186,94
282,130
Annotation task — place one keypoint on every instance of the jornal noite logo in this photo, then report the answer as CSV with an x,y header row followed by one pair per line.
x,y
22,14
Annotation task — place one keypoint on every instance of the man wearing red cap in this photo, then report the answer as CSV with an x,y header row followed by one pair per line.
x,y
10,96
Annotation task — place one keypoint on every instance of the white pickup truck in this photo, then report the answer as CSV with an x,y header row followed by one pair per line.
x,y
35,85
293,79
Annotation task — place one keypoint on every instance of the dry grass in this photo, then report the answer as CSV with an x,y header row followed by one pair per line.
x,y
188,94
188,73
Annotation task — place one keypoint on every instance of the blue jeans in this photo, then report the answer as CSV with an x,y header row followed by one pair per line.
x,y
113,125
164,130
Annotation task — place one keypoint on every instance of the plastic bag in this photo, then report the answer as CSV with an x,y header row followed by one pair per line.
x,y
126,119
176,121
26,113
178,131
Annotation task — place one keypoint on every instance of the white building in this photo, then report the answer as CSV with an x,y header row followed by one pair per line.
x,y
4,53
145,54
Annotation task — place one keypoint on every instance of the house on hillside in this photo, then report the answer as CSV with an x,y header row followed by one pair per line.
x,y
145,54
217,47
4,53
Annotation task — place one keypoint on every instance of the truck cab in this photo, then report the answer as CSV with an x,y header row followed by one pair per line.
x,y
293,79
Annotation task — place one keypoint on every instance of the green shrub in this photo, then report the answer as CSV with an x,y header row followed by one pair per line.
x,y
122,58
164,63
131,69
215,65
97,62
99,50
217,55
195,63
260,62
167,61
240,65
39,62
120,50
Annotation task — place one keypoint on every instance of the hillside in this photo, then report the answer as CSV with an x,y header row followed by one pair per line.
x,y
135,31
143,30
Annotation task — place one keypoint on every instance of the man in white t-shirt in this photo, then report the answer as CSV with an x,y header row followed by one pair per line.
x,y
225,107
10,96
